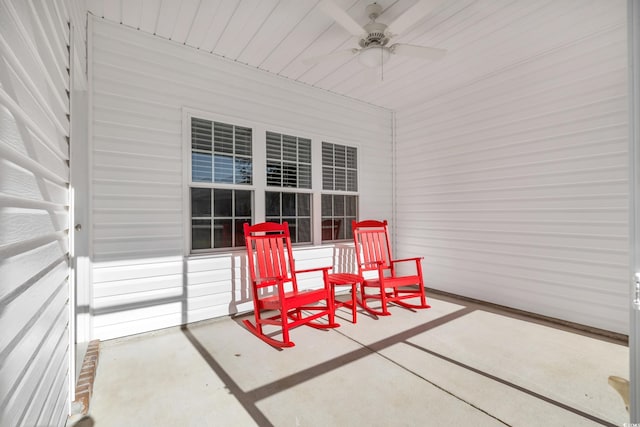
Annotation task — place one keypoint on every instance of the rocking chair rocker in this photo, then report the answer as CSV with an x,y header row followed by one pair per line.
x,y
271,265
379,269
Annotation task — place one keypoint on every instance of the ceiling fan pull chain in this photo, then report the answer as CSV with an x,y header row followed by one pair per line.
x,y
381,65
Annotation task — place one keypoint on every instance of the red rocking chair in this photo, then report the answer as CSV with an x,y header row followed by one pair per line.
x,y
271,265
379,269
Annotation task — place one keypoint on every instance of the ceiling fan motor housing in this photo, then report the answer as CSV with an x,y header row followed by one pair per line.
x,y
375,35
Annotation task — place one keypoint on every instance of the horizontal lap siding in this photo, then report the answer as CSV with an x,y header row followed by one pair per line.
x,y
142,281
34,208
514,188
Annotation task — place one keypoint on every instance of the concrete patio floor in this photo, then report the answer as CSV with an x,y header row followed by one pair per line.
x,y
456,364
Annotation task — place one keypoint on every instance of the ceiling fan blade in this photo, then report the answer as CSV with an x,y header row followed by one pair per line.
x,y
341,17
422,52
330,56
412,15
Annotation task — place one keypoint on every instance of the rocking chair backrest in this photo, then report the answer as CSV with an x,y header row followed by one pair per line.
x,y
372,244
269,251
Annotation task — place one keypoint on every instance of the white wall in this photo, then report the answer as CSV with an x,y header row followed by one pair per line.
x,y
514,187
140,84
34,201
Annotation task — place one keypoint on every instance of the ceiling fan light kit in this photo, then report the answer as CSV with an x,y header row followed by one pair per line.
x,y
374,36
374,56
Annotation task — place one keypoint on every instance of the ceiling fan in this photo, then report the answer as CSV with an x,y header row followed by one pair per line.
x,y
375,49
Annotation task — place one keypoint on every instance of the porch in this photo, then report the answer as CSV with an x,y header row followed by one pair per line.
x,y
458,363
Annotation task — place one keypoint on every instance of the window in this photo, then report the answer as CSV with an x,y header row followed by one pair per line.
x,y
318,200
289,166
339,172
220,154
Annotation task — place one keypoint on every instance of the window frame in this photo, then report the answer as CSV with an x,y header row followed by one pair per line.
x,y
259,187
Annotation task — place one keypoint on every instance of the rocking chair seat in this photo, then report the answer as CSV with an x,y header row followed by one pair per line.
x,y
392,282
292,299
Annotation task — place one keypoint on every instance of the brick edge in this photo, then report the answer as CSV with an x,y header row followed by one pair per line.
x,y
84,386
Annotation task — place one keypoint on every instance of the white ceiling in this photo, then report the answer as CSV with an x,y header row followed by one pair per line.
x,y
482,37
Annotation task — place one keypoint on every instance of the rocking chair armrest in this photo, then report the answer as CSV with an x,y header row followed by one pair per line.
x,y
416,259
311,270
373,263
268,281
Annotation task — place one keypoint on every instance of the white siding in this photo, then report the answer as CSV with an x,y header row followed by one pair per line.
x,y
34,176
141,83
514,187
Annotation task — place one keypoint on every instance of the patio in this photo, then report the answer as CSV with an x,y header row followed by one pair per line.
x,y
458,363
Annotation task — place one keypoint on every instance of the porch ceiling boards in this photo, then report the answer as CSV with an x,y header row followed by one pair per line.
x,y
482,37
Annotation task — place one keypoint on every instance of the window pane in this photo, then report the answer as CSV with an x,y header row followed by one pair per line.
x,y
243,141
339,153
339,233
222,233
289,175
352,180
223,168
351,206
240,232
338,205
200,134
327,154
327,178
330,229
272,204
274,146
201,167
243,171
304,230
222,203
304,150
274,173
352,158
327,205
223,138
288,204
304,176
200,234
348,229
293,229
304,204
200,202
289,148
243,203
340,179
